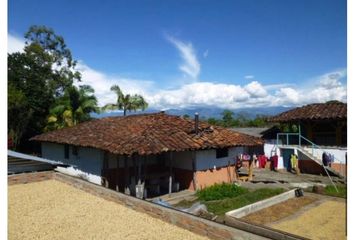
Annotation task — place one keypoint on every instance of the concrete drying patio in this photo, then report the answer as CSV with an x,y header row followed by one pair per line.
x,y
265,178
312,216
55,210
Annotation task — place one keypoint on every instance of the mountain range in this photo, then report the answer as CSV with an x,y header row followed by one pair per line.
x,y
206,112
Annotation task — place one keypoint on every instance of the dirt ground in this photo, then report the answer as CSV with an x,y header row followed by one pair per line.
x,y
54,210
279,211
325,221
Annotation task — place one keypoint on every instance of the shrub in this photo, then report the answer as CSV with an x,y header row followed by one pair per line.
x,y
220,191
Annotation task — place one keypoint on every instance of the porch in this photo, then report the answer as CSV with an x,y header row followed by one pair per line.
x,y
148,176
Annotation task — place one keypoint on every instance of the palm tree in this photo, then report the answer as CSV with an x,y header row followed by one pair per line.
x,y
126,102
72,108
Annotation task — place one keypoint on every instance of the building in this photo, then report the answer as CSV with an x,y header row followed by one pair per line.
x,y
158,152
313,130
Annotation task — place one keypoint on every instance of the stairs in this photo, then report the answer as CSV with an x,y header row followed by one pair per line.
x,y
319,161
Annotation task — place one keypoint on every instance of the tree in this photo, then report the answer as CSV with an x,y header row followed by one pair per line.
x,y
18,106
37,77
72,108
126,102
227,117
186,116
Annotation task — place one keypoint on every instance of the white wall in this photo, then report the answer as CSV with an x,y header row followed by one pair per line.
x,y
206,159
87,164
269,150
339,153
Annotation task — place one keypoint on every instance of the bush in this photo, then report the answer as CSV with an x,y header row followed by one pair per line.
x,y
220,191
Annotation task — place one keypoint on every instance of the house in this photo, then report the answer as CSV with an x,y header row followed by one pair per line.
x,y
319,128
157,151
268,135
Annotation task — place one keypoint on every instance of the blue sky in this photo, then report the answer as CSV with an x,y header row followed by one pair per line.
x,y
201,53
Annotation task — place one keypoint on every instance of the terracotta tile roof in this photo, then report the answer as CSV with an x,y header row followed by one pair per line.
x,y
317,111
147,134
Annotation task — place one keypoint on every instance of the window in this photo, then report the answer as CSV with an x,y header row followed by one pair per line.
x,y
75,150
222,152
66,151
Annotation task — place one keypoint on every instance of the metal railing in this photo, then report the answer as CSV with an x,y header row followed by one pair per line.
x,y
313,146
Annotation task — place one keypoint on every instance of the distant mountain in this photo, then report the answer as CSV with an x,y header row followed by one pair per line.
x,y
217,112
207,112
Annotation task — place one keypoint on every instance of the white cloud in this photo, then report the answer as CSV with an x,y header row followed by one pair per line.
x,y
287,96
200,94
191,65
255,89
249,77
14,44
102,84
318,89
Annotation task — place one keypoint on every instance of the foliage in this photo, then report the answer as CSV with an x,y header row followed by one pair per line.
x,y
126,102
240,120
220,207
342,191
18,107
220,191
72,108
289,128
37,77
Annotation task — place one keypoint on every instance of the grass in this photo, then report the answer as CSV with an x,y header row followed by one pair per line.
x,y
220,207
331,191
221,198
220,191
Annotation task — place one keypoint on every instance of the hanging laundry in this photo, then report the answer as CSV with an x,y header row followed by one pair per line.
x,y
325,159
238,161
274,162
246,157
254,160
294,161
262,159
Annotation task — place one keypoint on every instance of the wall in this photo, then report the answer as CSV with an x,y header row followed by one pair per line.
x,y
209,177
307,165
206,159
87,164
270,149
339,153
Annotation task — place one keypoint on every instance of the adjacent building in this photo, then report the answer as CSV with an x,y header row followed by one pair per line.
x,y
312,130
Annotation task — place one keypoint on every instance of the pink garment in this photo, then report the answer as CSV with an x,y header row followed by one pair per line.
x,y
274,161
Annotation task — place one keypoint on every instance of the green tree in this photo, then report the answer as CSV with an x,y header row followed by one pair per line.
x,y
213,121
18,106
72,108
37,77
126,102
227,117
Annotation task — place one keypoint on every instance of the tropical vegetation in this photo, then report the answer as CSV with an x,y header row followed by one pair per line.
x,y
39,79
72,108
126,102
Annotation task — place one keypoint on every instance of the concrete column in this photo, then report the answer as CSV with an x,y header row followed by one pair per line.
x,y
170,177
339,134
